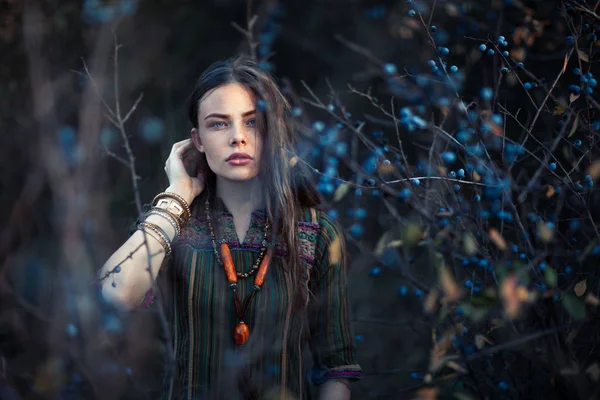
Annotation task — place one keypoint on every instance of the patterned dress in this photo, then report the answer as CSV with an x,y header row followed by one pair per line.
x,y
276,361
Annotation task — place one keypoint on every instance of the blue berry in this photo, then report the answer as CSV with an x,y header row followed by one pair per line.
x,y
486,93
390,68
375,271
412,13
454,68
449,156
482,47
577,142
491,52
592,82
431,63
574,89
505,53
552,166
433,28
504,70
416,182
444,51
527,85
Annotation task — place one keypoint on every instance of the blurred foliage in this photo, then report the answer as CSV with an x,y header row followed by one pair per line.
x,y
455,141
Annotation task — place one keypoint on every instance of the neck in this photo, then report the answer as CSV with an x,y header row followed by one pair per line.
x,y
241,198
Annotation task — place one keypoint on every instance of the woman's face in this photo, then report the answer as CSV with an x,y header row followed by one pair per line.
x,y
227,125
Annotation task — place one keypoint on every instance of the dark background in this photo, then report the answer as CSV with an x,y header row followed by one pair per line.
x,y
67,204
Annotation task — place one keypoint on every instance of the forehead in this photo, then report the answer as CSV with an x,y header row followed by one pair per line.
x,y
231,98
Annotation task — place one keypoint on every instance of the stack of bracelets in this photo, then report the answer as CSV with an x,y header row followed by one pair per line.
x,y
174,209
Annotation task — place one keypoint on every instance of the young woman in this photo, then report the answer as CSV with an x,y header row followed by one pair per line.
x,y
251,274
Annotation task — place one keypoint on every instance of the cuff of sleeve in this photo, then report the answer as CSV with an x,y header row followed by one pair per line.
x,y
352,372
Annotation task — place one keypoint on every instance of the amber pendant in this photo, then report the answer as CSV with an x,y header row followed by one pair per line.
x,y
241,334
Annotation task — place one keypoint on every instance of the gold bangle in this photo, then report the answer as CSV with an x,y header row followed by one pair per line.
x,y
177,197
169,217
166,244
172,206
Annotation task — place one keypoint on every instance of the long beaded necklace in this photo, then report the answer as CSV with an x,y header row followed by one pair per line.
x,y
242,331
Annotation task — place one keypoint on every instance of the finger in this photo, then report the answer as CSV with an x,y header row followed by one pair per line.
x,y
183,148
179,144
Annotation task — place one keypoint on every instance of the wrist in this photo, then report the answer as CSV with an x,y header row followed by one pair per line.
x,y
185,193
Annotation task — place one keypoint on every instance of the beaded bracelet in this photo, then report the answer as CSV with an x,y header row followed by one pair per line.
x,y
164,240
183,211
168,216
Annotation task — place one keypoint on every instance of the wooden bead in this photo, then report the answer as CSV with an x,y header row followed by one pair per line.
x,y
241,334
262,270
228,263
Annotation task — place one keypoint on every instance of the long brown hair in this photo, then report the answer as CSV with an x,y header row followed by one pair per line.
x,y
287,187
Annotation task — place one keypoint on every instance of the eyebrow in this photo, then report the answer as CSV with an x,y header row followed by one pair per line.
x,y
225,116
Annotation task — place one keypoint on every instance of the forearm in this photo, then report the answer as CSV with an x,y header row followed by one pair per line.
x,y
127,287
335,389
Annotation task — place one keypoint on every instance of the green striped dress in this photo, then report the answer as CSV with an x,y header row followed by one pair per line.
x,y
286,350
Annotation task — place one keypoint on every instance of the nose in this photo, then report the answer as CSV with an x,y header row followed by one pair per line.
x,y
238,135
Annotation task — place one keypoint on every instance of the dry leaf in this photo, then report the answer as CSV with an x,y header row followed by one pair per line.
x,y
594,170
431,301
583,56
457,367
580,287
335,251
545,232
593,371
293,161
558,110
573,97
481,340
476,176
497,238
452,290
575,125
430,393
512,295
550,191
592,300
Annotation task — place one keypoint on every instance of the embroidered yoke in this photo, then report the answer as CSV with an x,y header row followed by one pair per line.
x,y
199,305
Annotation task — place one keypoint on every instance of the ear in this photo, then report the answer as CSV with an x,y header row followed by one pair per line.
x,y
195,135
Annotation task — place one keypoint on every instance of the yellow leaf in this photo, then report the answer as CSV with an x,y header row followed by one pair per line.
x,y
341,191
476,176
335,251
470,244
558,110
550,191
293,161
580,287
497,238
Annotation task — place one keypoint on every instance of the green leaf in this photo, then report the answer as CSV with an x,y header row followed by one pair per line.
x,y
550,276
475,313
412,233
574,306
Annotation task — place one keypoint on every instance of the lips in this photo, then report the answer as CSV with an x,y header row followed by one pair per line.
x,y
239,156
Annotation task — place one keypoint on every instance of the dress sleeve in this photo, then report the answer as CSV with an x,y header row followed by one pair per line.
x,y
331,339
